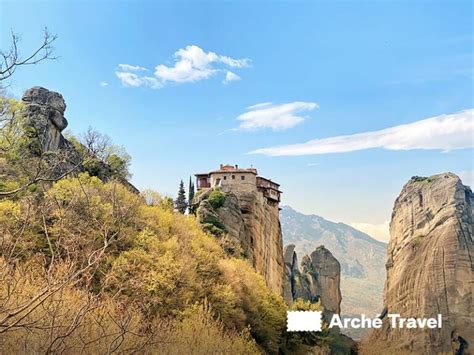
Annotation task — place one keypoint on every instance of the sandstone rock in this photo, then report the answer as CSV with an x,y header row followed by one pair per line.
x,y
430,266
323,273
328,271
291,269
253,225
318,279
290,257
229,218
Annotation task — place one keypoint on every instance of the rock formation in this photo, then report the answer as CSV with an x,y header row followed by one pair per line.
x,y
430,266
44,122
325,271
291,272
44,119
45,112
252,224
318,279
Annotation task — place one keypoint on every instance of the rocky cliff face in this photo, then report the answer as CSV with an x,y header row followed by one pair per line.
x,y
430,266
253,226
317,279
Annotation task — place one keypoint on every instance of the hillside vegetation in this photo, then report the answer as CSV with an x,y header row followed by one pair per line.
x,y
92,266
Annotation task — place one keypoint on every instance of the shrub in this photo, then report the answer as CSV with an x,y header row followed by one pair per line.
x,y
212,229
423,179
216,198
153,198
72,321
212,225
265,311
415,242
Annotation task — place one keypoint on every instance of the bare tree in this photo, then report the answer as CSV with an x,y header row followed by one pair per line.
x,y
98,144
11,58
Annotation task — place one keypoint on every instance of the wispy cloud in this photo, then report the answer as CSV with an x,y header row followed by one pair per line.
x,y
229,77
128,67
104,84
135,80
444,132
191,64
378,231
275,116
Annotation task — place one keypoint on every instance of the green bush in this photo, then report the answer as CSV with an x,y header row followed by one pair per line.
x,y
417,240
214,226
264,311
216,198
212,229
423,179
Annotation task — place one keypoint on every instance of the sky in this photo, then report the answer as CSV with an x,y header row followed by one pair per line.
x,y
340,102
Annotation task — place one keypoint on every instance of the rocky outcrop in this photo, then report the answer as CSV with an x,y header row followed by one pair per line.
x,y
291,272
252,224
44,123
318,278
325,271
430,266
44,111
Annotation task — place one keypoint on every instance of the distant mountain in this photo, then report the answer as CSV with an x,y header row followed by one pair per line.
x,y
362,258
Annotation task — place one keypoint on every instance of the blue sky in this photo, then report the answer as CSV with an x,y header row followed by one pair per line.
x,y
329,69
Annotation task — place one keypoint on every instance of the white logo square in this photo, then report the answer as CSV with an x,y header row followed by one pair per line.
x,y
304,321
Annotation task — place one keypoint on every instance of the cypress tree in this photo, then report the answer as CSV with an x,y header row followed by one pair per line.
x,y
191,196
180,202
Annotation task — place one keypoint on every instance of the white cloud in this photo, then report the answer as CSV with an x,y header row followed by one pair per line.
x,y
128,67
134,80
444,132
229,77
263,104
377,231
467,178
275,116
103,84
191,64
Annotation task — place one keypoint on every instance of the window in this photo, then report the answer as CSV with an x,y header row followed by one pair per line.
x,y
242,177
225,177
233,177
